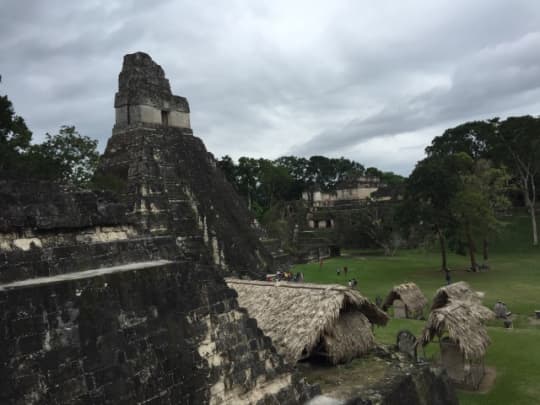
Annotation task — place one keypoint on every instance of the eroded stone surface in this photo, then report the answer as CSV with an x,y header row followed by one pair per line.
x,y
136,336
384,378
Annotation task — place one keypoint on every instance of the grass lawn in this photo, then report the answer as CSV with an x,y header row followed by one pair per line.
x,y
514,278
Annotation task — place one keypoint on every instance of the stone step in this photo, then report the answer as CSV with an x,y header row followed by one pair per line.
x,y
84,274
75,256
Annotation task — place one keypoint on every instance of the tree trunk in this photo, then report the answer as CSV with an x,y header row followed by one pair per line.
x,y
533,220
485,249
442,242
532,211
470,242
530,202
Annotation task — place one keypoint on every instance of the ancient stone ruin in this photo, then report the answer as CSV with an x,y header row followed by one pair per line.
x,y
110,298
119,297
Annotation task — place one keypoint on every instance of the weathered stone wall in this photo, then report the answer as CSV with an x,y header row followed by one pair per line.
x,y
144,96
42,205
168,334
46,230
176,188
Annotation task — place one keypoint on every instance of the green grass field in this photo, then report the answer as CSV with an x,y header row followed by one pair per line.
x,y
514,278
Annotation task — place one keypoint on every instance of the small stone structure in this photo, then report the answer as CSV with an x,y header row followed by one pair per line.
x,y
351,191
144,96
407,343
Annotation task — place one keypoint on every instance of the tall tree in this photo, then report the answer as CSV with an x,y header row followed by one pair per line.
x,y
429,191
227,166
247,178
493,184
475,206
470,138
74,155
516,142
15,138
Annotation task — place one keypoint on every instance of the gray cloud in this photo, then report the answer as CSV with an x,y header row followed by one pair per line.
x,y
267,78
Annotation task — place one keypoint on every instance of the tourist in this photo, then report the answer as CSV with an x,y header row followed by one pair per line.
x,y
345,270
338,271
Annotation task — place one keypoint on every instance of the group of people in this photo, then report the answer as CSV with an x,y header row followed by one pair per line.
x,y
352,283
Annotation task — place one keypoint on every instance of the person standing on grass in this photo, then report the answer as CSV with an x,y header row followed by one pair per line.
x,y
338,271
345,270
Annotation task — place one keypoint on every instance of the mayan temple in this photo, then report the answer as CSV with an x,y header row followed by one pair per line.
x,y
119,297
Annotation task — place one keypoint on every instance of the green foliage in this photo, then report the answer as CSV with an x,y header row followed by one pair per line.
x,y
73,155
470,138
15,139
265,182
67,156
513,143
228,168
379,223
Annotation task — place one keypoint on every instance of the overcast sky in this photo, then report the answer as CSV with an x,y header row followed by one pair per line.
x,y
373,81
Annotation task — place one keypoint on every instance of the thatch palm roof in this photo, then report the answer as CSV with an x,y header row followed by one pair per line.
x,y
306,318
461,291
410,294
458,311
464,325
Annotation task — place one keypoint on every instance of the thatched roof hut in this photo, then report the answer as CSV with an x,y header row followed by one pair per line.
x,y
458,310
457,319
307,320
412,297
460,291
463,323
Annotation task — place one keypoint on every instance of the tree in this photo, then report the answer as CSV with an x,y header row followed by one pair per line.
x,y
373,172
513,143
247,178
378,222
15,138
227,166
516,143
481,195
429,191
274,183
470,138
298,169
74,155
493,183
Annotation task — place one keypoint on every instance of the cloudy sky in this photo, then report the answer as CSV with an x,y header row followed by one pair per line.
x,y
374,81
